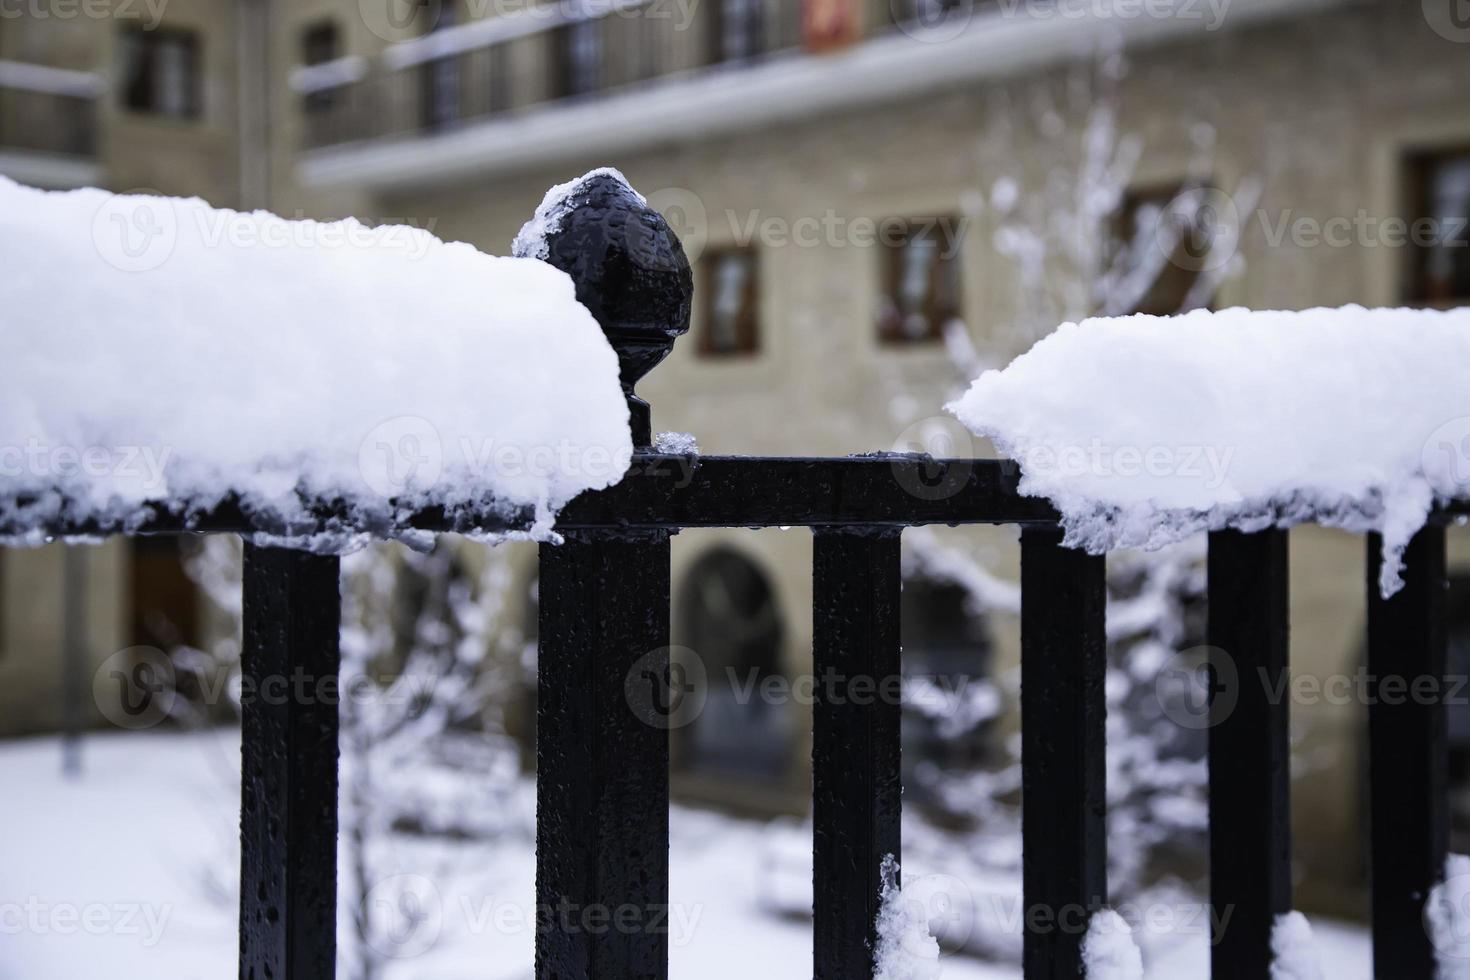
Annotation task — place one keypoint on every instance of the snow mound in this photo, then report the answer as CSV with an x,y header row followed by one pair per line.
x,y
1447,916
1108,949
158,349
558,203
1293,950
1144,430
906,950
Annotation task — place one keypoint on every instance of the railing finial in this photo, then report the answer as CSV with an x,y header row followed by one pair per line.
x,y
629,268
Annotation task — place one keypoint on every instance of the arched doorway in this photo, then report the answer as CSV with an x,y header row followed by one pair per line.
x,y
946,664
728,613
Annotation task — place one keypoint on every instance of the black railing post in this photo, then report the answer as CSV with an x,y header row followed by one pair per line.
x,y
1063,751
1407,762
856,791
288,775
606,696
1250,751
602,787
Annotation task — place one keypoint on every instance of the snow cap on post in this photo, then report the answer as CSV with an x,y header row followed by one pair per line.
x,y
629,269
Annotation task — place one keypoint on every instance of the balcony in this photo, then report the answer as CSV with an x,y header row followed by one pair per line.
x,y
48,124
494,96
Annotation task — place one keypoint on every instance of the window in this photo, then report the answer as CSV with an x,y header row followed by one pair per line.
x,y
578,60
1162,241
921,280
320,43
440,81
160,73
1440,192
739,30
731,303
165,600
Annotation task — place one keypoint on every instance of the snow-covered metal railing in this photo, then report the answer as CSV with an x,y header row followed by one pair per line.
x,y
603,749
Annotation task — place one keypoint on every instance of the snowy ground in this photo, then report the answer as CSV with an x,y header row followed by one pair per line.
x,y
129,872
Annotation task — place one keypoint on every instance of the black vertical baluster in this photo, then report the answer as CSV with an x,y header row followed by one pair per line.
x,y
855,741
288,776
606,701
1063,750
1250,752
607,692
1407,759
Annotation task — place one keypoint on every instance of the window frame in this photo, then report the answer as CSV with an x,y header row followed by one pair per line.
x,y
145,45
949,229
1418,189
1134,199
748,323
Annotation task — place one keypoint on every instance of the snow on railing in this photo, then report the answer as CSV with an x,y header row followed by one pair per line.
x,y
162,356
1144,430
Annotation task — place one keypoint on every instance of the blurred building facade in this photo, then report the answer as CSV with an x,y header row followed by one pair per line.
x,y
848,178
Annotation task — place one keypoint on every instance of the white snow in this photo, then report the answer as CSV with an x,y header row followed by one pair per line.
x,y
1447,915
158,348
1144,430
531,242
906,950
147,838
1108,949
1293,949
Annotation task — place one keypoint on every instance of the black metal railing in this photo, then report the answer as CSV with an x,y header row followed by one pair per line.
x,y
47,122
602,781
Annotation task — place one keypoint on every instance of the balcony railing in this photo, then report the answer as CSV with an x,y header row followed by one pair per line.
x,y
48,110
480,70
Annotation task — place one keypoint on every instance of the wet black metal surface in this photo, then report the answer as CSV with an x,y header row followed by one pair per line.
x,y
288,774
1249,749
856,790
1407,755
606,702
1063,751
